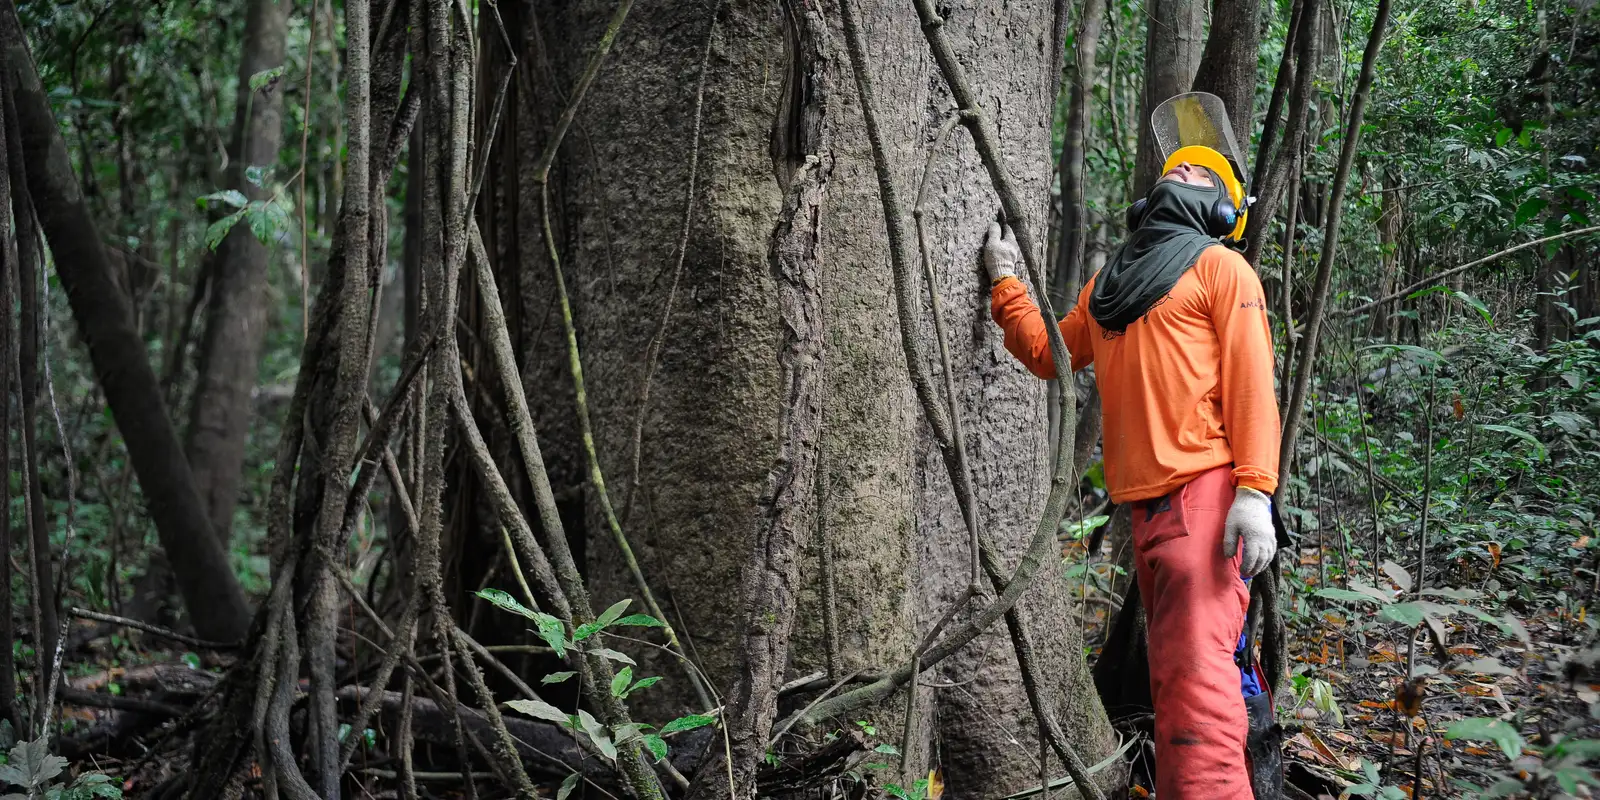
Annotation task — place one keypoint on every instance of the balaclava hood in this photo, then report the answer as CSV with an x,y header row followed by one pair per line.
x,y
1166,244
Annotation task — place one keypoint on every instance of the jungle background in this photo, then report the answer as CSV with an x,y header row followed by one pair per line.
x,y
452,398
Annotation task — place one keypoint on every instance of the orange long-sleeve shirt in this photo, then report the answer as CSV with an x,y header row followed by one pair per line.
x,y
1186,388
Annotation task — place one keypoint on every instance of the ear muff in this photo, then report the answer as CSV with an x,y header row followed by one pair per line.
x,y
1222,219
1136,213
1237,203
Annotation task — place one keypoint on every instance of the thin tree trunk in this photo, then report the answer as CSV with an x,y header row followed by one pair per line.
x,y
1307,358
8,267
1171,57
221,408
211,592
1228,66
1275,171
1069,272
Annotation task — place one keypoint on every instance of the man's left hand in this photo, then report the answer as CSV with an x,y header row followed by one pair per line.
x,y
1250,519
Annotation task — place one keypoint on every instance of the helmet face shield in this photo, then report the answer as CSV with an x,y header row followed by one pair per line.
x,y
1194,128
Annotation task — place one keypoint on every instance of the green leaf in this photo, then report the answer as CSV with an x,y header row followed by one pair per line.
x,y
1505,135
613,613
1538,447
556,677
552,632
620,681
629,732
1489,729
645,683
264,77
638,621
1346,595
687,723
597,734
191,660
886,749
1398,574
1529,209
1488,665
232,198
568,785
538,709
1408,614
613,655
505,602
31,766
218,230
656,745
1475,304
257,175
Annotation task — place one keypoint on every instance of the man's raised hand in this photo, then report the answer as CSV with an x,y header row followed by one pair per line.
x,y
1000,253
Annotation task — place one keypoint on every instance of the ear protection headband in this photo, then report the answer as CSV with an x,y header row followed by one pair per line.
x,y
1228,215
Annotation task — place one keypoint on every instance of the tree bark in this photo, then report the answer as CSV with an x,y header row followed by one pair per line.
x,y
211,592
1228,65
1171,57
900,543
221,408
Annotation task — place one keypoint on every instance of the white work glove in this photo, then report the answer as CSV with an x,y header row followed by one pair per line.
x,y
1000,253
1250,519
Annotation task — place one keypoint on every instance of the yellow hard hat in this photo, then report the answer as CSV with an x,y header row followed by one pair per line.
x,y
1194,128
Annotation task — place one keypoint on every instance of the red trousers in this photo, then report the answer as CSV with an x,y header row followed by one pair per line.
x,y
1195,604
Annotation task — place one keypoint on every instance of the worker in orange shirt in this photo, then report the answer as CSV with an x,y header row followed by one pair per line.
x,y
1176,326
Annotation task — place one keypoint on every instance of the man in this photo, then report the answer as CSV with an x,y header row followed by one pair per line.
x,y
1176,325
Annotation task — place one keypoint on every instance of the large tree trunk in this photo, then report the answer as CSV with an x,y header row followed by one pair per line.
x,y
210,591
220,413
887,513
1171,57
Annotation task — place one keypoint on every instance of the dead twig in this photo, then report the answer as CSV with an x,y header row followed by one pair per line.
x,y
201,644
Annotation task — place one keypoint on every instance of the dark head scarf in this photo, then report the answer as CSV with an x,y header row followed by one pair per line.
x,y
1156,255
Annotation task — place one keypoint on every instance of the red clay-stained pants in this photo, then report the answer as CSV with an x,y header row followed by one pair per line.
x,y
1196,605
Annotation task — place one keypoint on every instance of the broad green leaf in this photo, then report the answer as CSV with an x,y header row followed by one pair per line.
x,y
1475,304
606,652
887,749
638,621
1488,665
264,77
1528,210
1333,593
687,723
597,734
1408,614
217,231
1583,749
504,601
1538,447
620,682
568,785
1505,135
552,632
1489,729
644,683
1398,574
538,709
257,175
1453,594
630,731
31,766
232,198
556,677
656,745
613,613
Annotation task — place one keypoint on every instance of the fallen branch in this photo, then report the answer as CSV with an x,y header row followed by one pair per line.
x,y
202,644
